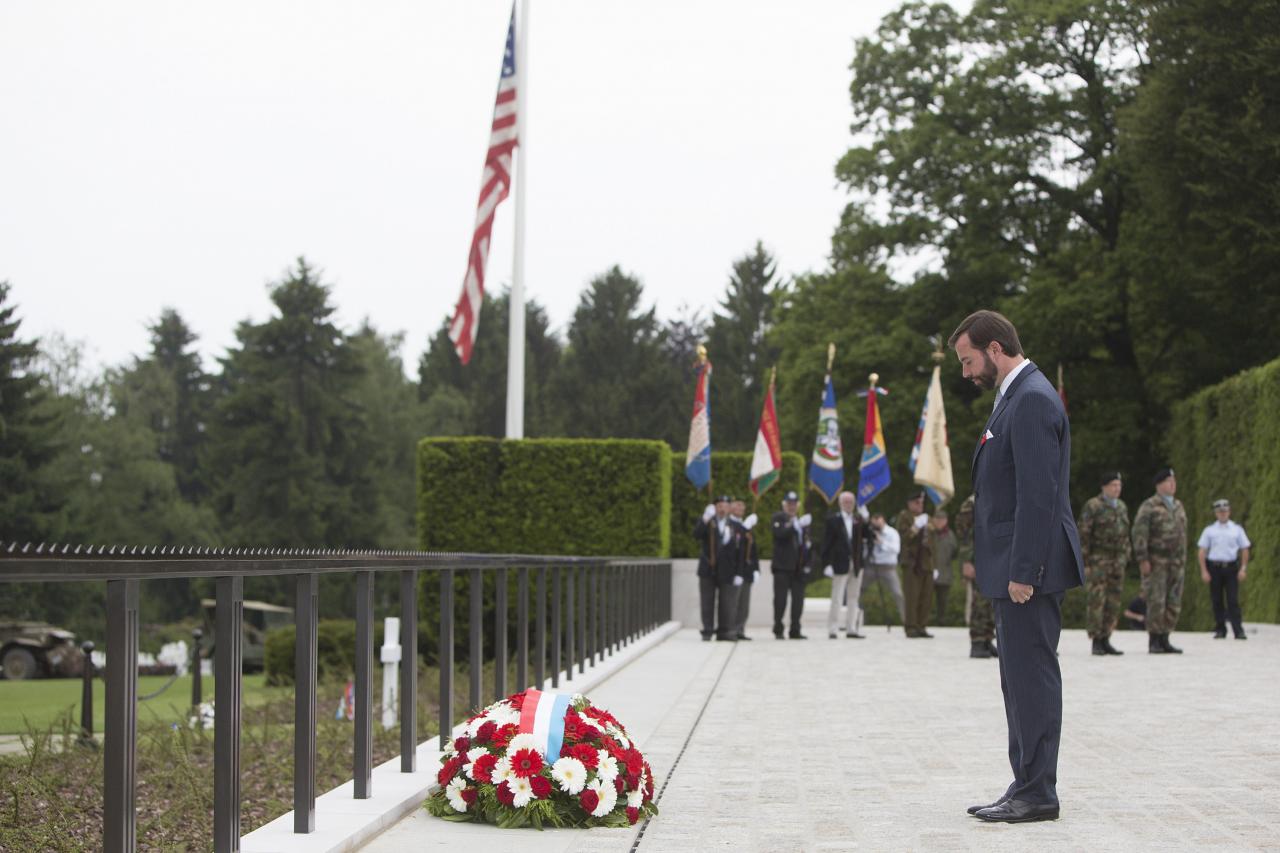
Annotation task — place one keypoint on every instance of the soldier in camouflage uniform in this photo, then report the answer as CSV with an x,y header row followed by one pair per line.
x,y
1160,546
1105,546
981,617
916,560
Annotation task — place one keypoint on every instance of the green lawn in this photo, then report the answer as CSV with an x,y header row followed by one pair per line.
x,y
42,702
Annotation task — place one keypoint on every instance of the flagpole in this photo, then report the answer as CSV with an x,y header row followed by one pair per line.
x,y
515,319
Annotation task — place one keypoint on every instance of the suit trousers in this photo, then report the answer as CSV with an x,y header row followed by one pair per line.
x,y
719,608
784,584
1224,579
841,585
744,608
1032,685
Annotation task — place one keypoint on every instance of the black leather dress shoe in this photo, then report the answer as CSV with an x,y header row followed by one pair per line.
x,y
798,636
1018,811
975,809
743,637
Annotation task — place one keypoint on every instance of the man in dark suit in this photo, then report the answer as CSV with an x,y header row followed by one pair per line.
x,y
718,576
842,543
790,564
1026,552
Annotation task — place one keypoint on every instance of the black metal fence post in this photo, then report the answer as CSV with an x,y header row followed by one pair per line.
x,y
582,619
305,639
540,660
408,670
86,695
197,688
555,626
118,765
522,629
569,648
227,659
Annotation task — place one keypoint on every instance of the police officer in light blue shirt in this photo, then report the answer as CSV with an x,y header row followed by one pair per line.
x,y
1224,557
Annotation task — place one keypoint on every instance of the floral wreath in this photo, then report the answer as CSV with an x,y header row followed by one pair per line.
x,y
544,759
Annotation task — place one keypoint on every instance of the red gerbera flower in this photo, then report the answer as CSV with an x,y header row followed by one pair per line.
x,y
482,768
462,744
516,700
485,732
504,735
504,795
634,762
450,769
617,784
469,796
588,799
541,786
586,753
633,815
526,762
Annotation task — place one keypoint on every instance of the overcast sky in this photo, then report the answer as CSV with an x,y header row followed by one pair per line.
x,y
184,154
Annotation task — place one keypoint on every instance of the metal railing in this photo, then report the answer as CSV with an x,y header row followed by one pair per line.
x,y
597,604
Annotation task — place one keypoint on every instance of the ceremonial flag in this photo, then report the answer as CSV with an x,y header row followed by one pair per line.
x,y
826,468
1062,391
542,715
873,471
697,462
494,187
931,455
767,461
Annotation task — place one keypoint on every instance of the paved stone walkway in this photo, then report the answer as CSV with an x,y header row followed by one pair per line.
x,y
880,744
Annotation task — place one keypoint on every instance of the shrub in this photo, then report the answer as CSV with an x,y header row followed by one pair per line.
x,y
335,650
1221,443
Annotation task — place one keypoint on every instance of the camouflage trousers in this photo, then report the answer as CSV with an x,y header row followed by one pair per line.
x,y
1104,584
982,618
1163,591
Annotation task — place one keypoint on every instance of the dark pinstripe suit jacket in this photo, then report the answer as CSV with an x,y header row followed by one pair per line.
x,y
1024,530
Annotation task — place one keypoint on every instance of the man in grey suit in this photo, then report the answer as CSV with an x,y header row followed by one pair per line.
x,y
1026,552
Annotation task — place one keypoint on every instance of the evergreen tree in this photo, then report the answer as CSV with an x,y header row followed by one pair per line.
x,y
617,378
29,502
740,350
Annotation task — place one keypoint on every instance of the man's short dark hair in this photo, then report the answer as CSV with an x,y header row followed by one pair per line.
x,y
985,326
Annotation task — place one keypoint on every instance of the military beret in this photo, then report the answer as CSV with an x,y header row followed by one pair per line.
x,y
1162,475
724,499
791,496
1110,477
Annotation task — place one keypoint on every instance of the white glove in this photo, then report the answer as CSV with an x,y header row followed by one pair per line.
x,y
709,512
751,521
863,514
737,580
805,520
829,572
755,576
921,520
935,574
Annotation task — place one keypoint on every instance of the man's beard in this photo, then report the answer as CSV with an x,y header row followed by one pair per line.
x,y
987,378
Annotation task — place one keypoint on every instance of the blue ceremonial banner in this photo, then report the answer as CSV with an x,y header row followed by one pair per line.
x,y
826,469
873,472
697,462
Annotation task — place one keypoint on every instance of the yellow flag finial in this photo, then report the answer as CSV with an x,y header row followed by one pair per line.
x,y
831,355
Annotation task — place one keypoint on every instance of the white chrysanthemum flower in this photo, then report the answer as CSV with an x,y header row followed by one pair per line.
x,y
502,771
635,799
453,792
608,796
524,740
474,725
570,774
472,755
606,767
521,791
504,715
619,737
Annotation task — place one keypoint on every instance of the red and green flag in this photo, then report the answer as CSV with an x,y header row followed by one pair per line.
x,y
766,463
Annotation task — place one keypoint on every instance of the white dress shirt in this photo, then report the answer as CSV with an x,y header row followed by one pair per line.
x,y
1008,380
888,544
1223,541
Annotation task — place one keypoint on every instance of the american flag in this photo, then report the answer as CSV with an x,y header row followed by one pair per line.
x,y
493,189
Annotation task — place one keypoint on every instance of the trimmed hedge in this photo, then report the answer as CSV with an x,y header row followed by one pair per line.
x,y
335,650
579,497
730,473
1222,443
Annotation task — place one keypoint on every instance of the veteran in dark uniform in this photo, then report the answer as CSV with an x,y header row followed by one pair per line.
x,y
790,564
717,570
